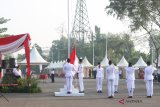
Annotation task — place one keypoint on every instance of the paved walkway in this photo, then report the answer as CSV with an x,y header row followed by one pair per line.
x,y
91,98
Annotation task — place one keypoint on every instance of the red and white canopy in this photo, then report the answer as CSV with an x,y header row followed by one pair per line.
x,y
14,43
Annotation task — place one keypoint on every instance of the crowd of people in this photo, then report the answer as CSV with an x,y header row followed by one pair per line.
x,y
112,76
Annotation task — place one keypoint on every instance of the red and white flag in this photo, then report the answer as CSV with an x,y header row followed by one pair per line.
x,y
74,60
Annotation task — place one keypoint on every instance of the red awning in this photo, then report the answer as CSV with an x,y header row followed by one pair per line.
x,y
14,43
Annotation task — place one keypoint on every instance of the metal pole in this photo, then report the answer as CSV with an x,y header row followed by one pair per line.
x,y
93,47
52,51
152,55
52,55
58,55
106,46
68,31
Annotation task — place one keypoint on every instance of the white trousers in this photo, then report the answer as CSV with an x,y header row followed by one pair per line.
x,y
115,87
116,82
81,85
99,81
69,83
110,87
130,86
149,87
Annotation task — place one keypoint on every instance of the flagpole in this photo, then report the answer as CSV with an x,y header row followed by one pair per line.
x,y
68,29
93,48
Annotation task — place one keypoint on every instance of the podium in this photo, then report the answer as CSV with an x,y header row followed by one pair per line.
x,y
63,92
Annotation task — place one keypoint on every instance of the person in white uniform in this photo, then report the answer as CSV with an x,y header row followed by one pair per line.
x,y
130,79
148,78
116,81
68,71
110,75
80,76
99,77
17,72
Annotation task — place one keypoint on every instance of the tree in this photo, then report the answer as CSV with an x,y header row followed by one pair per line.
x,y
58,49
118,45
143,14
2,30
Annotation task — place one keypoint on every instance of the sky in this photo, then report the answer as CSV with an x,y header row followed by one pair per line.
x,y
42,19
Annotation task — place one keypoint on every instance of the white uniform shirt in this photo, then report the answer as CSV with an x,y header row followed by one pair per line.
x,y
17,72
68,68
148,71
100,72
117,73
110,72
80,70
52,72
130,73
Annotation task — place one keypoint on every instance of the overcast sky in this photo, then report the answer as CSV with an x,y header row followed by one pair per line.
x,y
43,18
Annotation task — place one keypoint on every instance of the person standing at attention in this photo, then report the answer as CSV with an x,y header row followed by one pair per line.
x,y
99,77
68,68
148,78
116,81
110,75
52,75
80,76
130,78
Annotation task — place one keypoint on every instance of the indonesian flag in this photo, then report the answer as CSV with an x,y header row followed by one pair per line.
x,y
74,60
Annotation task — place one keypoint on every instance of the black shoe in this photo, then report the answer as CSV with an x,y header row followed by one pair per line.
x,y
81,92
149,96
110,97
100,91
130,97
68,92
116,92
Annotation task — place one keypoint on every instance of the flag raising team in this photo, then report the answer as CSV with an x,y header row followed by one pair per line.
x,y
112,77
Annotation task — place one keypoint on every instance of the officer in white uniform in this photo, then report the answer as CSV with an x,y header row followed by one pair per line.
x,y
99,77
130,78
148,78
80,76
116,81
17,72
68,71
110,75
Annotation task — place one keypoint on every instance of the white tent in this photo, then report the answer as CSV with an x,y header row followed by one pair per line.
x,y
122,62
86,63
104,62
140,63
50,66
60,64
35,59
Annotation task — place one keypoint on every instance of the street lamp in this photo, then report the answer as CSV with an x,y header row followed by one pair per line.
x,y
52,52
68,29
93,46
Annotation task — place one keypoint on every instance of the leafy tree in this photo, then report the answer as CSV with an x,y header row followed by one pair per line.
x,y
59,49
142,14
120,45
2,30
